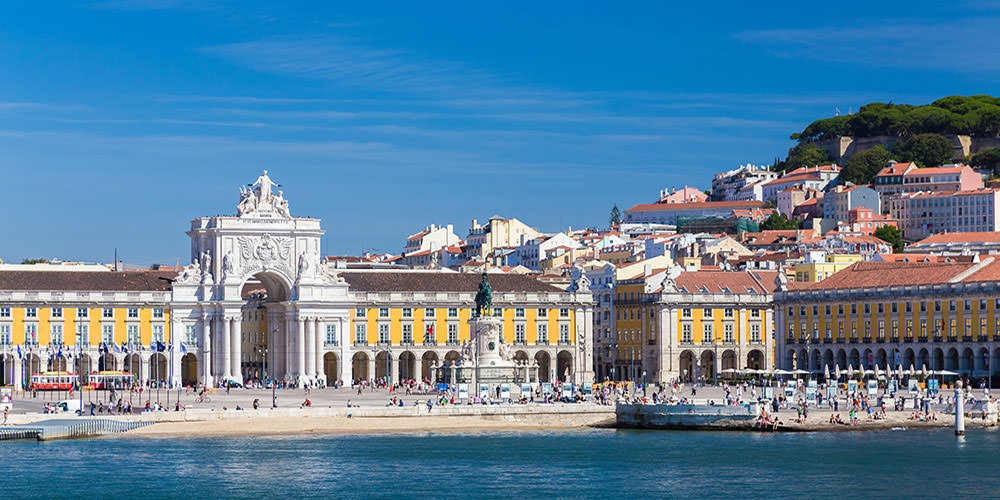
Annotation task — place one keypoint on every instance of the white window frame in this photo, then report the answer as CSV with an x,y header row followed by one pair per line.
x,y
361,334
543,334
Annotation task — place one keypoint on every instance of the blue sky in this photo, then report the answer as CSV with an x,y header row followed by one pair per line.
x,y
122,120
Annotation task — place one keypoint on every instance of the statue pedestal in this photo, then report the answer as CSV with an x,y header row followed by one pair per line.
x,y
490,358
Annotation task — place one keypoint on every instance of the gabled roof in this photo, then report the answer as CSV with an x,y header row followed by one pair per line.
x,y
94,281
737,282
895,169
887,274
963,237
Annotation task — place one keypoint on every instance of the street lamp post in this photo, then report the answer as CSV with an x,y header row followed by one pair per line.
x,y
644,383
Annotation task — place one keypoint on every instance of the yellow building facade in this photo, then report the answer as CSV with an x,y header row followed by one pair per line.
x,y
687,325
942,316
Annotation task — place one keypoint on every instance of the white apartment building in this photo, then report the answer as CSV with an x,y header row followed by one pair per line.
x,y
432,238
727,186
923,214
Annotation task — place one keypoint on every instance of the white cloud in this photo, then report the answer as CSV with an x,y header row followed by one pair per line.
x,y
966,46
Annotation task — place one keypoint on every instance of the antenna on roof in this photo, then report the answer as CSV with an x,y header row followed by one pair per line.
x,y
116,258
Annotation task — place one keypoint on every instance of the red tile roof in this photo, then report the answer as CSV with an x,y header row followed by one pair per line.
x,y
883,274
735,281
706,205
895,169
794,178
130,281
964,237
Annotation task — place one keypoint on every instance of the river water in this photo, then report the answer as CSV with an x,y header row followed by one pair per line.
x,y
566,464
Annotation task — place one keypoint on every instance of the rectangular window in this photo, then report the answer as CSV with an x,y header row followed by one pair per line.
x,y
30,312
57,312
190,337
519,336
429,312
82,334
755,313
383,333
497,312
4,312
57,335
909,307
107,334
361,334
519,312
686,333
453,334
543,313
706,313
982,327
360,312
82,312
407,312
407,334
951,327
923,329
5,337
755,333
132,332
707,332
157,334
158,312
686,313
31,334
564,313
452,312
923,307
729,336
728,313
133,313
108,312
383,312
854,308
331,335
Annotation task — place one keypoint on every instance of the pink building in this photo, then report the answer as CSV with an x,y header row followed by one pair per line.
x,y
686,195
898,178
865,221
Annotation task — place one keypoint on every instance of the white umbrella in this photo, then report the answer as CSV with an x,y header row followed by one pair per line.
x,y
878,371
779,371
850,371
836,370
946,372
912,371
923,369
800,372
729,370
826,372
899,370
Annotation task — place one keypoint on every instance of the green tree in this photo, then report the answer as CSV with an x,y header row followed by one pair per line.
x,y
805,155
862,167
34,261
890,235
778,221
616,216
987,158
929,150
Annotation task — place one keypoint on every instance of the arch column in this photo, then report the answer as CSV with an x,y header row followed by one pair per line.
x,y
309,348
236,347
319,351
206,351
287,343
300,351
225,356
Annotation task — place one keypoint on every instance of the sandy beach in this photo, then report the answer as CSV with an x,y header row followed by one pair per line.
x,y
268,426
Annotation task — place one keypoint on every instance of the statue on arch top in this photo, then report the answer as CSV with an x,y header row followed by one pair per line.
x,y
262,187
260,199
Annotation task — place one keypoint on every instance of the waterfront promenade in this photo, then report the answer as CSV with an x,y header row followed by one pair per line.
x,y
343,410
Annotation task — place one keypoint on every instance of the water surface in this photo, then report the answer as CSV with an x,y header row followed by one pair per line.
x,y
572,464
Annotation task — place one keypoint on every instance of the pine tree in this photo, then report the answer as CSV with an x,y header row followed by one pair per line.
x,y
616,216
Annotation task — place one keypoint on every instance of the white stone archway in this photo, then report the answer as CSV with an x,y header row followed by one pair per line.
x,y
263,243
